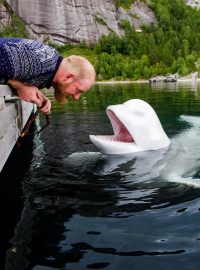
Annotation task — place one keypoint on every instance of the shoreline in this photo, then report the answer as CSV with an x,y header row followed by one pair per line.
x,y
121,82
147,81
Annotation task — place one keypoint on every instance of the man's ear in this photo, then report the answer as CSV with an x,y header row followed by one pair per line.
x,y
68,77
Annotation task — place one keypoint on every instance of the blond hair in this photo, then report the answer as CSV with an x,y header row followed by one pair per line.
x,y
82,68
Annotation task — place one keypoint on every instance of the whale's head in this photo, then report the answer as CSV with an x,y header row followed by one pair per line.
x,y
136,128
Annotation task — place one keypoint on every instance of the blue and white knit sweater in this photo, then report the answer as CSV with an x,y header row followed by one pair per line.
x,y
28,61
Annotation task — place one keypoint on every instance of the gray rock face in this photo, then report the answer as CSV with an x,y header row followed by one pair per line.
x,y
193,3
138,14
5,18
73,21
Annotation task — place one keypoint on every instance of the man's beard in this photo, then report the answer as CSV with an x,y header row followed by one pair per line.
x,y
59,97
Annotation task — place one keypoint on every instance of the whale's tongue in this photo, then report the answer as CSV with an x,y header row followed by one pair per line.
x,y
121,132
124,136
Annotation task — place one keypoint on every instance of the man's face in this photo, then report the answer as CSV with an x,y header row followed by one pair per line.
x,y
73,89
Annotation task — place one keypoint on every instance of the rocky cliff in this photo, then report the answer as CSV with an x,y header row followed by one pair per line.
x,y
193,3
5,18
73,21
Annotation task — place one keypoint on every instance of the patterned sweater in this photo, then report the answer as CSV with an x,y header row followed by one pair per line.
x,y
28,61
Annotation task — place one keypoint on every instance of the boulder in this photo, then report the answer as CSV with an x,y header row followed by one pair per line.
x,y
157,79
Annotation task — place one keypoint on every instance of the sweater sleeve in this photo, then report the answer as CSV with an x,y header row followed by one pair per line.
x,y
6,71
26,60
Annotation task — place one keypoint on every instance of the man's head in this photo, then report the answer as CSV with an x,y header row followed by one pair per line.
x,y
74,76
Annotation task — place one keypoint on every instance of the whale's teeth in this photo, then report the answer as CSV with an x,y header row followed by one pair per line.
x,y
110,138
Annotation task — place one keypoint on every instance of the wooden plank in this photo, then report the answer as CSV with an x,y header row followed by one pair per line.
x,y
14,114
5,91
7,118
2,103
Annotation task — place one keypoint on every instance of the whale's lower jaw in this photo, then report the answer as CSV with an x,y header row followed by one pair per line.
x,y
108,145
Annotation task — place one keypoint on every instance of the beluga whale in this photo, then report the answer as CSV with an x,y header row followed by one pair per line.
x,y
136,128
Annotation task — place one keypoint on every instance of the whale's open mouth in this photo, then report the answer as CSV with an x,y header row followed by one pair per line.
x,y
121,133
136,127
117,143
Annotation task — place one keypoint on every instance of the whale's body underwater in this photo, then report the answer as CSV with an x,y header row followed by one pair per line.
x,y
138,131
178,163
136,128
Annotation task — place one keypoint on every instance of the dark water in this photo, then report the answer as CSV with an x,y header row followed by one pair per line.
x,y
65,206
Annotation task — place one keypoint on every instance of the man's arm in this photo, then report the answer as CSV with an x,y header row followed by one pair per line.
x,y
31,93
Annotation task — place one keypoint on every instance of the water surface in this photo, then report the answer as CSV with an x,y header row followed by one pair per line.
x,y
75,208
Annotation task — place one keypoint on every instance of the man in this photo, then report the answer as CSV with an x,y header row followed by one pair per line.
x,y
27,66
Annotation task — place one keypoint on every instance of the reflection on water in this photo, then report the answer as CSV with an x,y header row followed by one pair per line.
x,y
86,210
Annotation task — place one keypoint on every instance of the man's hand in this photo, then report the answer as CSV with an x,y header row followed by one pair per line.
x,y
46,103
32,94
